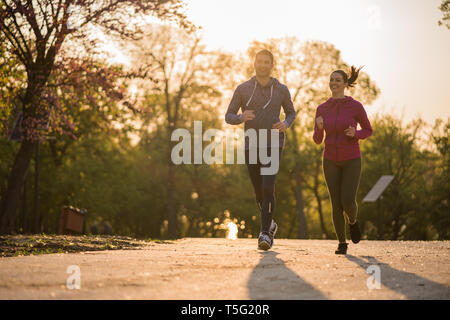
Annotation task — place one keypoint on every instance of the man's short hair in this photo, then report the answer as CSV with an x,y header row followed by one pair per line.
x,y
265,52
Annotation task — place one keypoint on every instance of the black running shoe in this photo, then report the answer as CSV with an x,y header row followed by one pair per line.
x,y
355,233
342,248
264,241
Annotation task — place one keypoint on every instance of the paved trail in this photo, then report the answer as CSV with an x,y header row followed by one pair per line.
x,y
195,268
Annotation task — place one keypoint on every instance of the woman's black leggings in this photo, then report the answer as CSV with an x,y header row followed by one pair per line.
x,y
342,178
264,187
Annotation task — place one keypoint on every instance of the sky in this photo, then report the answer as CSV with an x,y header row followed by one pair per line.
x,y
399,42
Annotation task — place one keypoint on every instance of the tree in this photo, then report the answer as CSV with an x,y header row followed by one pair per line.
x,y
439,197
394,150
445,9
36,32
183,80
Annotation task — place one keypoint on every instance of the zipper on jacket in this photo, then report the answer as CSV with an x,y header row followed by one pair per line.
x,y
335,127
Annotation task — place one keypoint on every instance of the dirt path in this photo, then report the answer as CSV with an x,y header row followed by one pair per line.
x,y
205,269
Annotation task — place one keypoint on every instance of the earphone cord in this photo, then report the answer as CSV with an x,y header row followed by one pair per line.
x,y
270,99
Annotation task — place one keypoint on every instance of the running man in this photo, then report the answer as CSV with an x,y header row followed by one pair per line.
x,y
261,99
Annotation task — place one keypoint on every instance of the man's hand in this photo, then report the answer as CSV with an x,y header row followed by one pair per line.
x,y
319,122
248,115
280,126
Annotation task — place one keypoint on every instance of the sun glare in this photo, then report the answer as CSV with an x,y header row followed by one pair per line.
x,y
232,231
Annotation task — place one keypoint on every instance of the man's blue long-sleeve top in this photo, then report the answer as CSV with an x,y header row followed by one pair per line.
x,y
260,96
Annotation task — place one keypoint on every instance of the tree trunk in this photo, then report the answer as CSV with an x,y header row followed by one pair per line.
x,y
319,208
37,222
24,206
38,75
396,226
172,230
193,227
172,216
10,200
302,227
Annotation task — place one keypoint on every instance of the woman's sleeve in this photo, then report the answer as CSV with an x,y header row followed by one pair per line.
x,y
366,128
318,133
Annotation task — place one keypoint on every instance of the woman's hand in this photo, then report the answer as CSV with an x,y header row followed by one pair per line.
x,y
319,122
350,131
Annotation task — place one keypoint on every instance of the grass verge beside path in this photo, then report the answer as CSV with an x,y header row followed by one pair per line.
x,y
33,244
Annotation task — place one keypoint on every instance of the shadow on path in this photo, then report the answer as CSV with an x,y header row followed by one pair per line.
x,y
271,279
408,284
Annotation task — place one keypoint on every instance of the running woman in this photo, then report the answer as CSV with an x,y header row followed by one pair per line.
x,y
261,99
338,117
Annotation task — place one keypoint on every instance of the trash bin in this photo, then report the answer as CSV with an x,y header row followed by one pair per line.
x,y
71,220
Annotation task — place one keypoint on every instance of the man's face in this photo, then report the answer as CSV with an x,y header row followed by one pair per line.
x,y
263,65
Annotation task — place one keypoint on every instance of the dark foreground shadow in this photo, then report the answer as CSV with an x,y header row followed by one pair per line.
x,y
272,280
408,284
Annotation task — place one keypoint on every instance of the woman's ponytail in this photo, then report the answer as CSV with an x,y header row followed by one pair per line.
x,y
353,76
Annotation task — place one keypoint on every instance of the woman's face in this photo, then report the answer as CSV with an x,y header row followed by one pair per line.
x,y
337,84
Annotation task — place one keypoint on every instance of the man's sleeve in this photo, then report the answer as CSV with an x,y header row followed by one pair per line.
x,y
231,117
288,108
